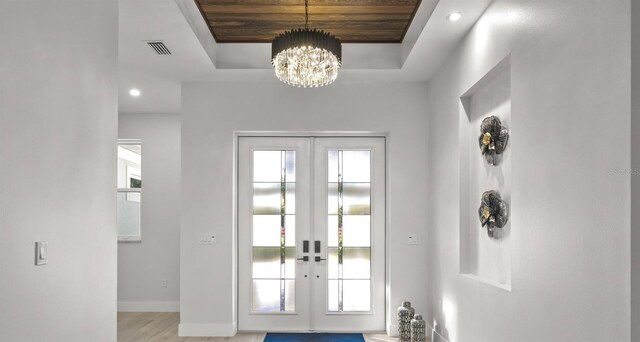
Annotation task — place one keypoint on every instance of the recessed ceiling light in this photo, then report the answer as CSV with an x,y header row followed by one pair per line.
x,y
134,92
455,16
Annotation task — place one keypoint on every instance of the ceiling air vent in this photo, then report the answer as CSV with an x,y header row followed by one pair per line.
x,y
159,48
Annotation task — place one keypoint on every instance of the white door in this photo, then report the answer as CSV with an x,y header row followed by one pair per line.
x,y
274,216
311,234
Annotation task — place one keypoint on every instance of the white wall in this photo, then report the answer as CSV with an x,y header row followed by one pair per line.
x,y
635,176
570,127
211,112
143,265
58,124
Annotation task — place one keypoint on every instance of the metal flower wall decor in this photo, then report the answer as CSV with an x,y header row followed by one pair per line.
x,y
493,212
493,139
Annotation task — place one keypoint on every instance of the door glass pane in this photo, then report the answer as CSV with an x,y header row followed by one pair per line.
x,y
357,295
332,295
333,166
289,295
267,292
267,199
266,262
266,166
356,230
355,196
290,263
274,241
290,166
332,264
290,231
266,230
349,231
332,200
356,263
357,166
266,295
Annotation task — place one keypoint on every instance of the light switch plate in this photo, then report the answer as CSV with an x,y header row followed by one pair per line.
x,y
41,253
412,239
210,239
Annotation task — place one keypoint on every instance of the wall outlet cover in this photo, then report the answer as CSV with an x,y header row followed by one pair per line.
x,y
412,239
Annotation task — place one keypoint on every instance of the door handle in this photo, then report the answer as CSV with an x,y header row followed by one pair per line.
x,y
318,249
305,249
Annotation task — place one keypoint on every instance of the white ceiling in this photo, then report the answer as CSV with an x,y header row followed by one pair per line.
x,y
195,55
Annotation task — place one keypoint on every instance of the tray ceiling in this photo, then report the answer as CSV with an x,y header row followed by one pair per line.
x,y
352,21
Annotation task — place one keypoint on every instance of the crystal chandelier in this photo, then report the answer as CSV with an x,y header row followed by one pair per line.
x,y
306,58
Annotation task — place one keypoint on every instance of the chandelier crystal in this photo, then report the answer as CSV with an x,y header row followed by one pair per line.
x,y
306,58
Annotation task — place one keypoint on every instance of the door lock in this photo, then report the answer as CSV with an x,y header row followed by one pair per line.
x,y
305,246
318,249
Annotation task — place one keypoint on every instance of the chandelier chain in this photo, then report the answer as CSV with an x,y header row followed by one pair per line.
x,y
306,14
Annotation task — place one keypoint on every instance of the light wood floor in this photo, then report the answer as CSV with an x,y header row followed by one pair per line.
x,y
163,326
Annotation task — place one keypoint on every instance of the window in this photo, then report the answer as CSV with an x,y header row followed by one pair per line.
x,y
349,231
274,241
129,189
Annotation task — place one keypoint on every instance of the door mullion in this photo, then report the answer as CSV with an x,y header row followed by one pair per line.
x,y
340,232
312,225
283,204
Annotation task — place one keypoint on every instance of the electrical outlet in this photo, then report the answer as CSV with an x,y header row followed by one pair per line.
x,y
163,283
412,239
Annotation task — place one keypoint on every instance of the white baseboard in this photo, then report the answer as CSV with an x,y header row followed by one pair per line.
x,y
435,337
392,330
207,329
149,306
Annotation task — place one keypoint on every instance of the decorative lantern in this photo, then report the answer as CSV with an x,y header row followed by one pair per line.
x,y
418,329
405,315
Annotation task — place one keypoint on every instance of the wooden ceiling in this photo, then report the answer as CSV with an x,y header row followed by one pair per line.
x,y
352,21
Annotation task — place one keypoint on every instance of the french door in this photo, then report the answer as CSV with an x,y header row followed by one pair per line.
x,y
311,234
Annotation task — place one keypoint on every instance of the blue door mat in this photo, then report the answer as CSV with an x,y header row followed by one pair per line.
x,y
313,337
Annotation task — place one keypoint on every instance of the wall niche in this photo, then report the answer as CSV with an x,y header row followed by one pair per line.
x,y
485,256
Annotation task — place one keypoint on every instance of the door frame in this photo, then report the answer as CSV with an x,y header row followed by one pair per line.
x,y
305,134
